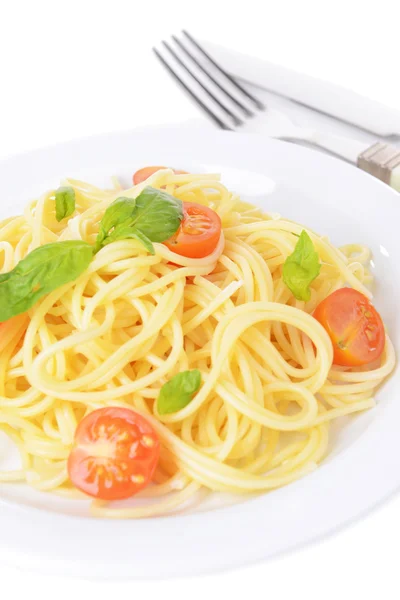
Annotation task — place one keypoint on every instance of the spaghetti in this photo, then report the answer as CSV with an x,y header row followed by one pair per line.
x,y
132,320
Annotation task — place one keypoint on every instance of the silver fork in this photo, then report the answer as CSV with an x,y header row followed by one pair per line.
x,y
232,107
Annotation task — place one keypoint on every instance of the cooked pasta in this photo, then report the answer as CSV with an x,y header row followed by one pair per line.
x,y
132,320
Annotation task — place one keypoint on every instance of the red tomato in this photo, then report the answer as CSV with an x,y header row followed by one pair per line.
x,y
199,232
9,328
114,455
145,172
354,326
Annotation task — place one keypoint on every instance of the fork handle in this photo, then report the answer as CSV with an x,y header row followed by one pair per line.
x,y
395,179
380,160
344,147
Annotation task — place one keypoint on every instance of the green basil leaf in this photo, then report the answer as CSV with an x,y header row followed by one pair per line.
x,y
65,202
153,217
40,272
120,211
157,214
301,268
178,391
124,232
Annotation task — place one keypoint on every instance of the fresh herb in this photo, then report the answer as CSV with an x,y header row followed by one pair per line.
x,y
301,268
153,217
157,214
65,202
178,391
119,212
125,232
39,273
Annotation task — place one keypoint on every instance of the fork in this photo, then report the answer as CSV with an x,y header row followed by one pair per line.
x,y
232,107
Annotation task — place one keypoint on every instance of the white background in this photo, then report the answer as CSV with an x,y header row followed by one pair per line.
x,y
76,68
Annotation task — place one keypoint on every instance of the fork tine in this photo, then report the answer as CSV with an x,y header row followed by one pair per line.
x,y
221,87
226,109
255,100
201,104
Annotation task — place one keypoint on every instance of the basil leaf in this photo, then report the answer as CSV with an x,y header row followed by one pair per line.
x,y
178,391
119,212
65,202
157,214
153,217
301,268
124,232
40,272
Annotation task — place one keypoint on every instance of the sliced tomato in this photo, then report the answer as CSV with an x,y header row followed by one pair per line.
x,y
199,232
145,172
115,454
13,328
354,326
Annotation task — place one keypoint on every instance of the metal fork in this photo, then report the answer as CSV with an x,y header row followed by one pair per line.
x,y
232,107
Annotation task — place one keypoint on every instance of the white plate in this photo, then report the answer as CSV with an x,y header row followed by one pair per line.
x,y
39,531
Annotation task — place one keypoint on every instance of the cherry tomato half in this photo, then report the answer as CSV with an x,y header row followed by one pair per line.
x,y
199,232
145,172
114,455
354,326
